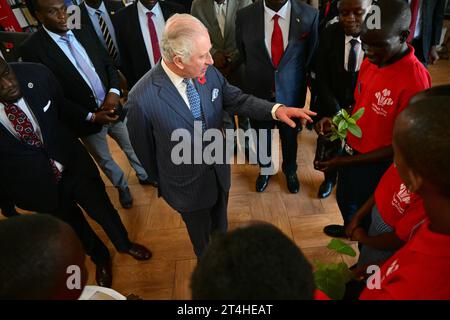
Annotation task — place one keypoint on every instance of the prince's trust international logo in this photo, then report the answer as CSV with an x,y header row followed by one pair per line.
x,y
383,101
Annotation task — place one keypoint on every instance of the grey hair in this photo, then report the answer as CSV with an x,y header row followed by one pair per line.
x,y
178,37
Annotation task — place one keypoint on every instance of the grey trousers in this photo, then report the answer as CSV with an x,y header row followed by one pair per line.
x,y
97,145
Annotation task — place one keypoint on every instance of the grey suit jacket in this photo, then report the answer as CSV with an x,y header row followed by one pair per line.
x,y
204,10
156,110
289,79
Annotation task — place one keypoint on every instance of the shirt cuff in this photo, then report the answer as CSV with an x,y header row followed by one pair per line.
x,y
274,109
89,116
114,90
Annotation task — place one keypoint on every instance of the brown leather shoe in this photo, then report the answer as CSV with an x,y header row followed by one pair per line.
x,y
139,252
103,274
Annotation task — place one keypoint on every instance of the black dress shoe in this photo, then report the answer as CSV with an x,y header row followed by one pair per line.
x,y
139,252
262,182
325,189
335,231
148,182
103,275
292,183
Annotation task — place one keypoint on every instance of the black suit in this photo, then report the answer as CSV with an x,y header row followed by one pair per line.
x,y
133,53
10,43
42,49
27,176
431,29
111,7
335,85
186,4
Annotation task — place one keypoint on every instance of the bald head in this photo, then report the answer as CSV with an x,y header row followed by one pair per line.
x,y
422,139
179,36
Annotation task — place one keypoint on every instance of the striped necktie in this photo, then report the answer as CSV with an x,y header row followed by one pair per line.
x,y
107,36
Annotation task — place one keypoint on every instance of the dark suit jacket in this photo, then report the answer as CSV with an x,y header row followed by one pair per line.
x,y
133,53
186,4
111,7
335,86
42,49
157,110
432,21
14,39
25,172
290,77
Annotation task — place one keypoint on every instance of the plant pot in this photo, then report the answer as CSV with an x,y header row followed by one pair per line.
x,y
326,149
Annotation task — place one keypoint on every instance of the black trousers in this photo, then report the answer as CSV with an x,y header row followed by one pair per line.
x,y
202,224
89,193
288,138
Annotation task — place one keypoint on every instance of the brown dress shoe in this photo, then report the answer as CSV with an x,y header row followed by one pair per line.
x,y
139,252
103,275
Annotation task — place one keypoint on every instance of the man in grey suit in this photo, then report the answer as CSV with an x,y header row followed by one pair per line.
x,y
185,92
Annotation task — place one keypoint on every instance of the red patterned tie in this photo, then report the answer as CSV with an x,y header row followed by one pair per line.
x,y
414,15
153,37
277,42
24,128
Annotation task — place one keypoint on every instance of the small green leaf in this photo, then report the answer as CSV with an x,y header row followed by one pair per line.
x,y
351,121
334,137
344,113
358,114
341,247
331,282
343,125
355,130
336,120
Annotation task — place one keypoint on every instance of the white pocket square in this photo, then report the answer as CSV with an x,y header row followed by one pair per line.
x,y
215,94
47,106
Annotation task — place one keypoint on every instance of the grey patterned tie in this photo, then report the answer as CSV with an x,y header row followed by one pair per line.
x,y
106,36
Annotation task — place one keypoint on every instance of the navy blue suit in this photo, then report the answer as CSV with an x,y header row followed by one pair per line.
x,y
27,177
198,191
287,83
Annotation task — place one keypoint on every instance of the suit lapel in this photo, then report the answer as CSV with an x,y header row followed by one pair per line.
x,y
136,32
210,15
205,101
294,30
260,30
229,21
170,94
55,53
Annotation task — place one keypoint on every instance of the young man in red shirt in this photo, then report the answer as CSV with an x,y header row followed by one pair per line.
x,y
422,154
395,211
388,78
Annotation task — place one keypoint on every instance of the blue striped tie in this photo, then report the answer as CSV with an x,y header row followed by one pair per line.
x,y
194,102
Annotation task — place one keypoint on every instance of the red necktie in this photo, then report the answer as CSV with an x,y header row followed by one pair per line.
x,y
414,15
277,42
327,9
24,128
153,37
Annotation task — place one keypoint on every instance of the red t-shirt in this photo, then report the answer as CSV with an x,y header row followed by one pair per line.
x,y
398,207
320,295
418,271
384,93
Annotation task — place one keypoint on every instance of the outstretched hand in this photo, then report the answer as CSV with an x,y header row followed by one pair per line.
x,y
285,114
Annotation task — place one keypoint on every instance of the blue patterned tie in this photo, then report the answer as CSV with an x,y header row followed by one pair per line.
x,y
194,102
93,78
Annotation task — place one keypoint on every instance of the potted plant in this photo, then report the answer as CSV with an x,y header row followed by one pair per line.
x,y
330,144
331,278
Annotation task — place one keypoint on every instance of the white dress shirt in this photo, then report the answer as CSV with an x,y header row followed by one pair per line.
x,y
158,20
177,81
221,14
358,49
283,21
418,30
9,126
